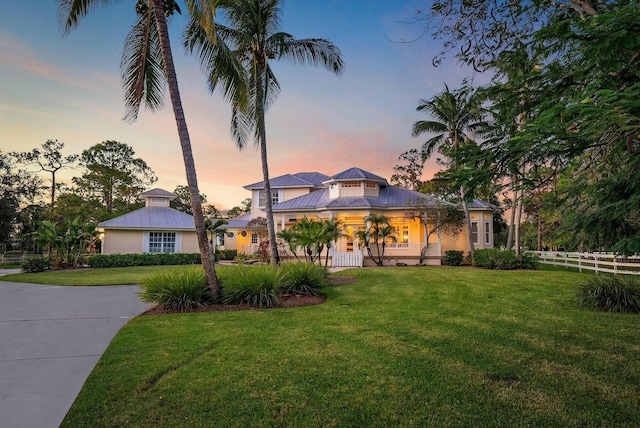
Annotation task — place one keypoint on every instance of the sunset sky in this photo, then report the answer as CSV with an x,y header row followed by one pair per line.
x,y
68,88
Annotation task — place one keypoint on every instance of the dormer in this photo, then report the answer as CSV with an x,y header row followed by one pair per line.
x,y
355,182
157,198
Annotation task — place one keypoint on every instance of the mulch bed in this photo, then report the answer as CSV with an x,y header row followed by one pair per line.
x,y
286,302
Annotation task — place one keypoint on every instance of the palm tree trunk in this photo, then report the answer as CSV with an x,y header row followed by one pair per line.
x,y
513,218
271,230
185,143
467,217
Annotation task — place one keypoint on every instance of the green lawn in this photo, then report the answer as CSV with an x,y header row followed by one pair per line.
x,y
401,347
89,276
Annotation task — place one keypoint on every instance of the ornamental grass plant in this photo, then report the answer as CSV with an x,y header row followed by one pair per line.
x,y
609,293
303,279
179,289
252,285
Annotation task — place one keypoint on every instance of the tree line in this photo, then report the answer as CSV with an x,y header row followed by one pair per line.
x,y
556,132
109,179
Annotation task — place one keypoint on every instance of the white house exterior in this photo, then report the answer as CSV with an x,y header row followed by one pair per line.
x,y
156,228
350,196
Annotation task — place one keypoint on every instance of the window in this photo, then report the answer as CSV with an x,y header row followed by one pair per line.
x,y
370,185
351,184
487,233
275,198
254,238
474,232
162,242
402,237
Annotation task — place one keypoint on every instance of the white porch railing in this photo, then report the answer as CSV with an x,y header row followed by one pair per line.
x,y
597,262
346,258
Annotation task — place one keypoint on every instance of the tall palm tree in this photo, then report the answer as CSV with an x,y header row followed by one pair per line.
x,y
453,115
240,56
147,67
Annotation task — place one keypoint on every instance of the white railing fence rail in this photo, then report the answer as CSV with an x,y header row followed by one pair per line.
x,y
597,262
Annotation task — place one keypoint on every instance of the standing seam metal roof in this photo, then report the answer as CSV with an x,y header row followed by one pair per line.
x,y
390,197
301,179
151,218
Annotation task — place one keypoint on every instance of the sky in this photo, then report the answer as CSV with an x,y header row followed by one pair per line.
x,y
67,88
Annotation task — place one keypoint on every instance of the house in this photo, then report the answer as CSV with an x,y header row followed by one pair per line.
x,y
350,196
156,228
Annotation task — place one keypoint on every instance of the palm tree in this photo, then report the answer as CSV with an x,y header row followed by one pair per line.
x,y
377,233
240,57
453,115
331,232
147,67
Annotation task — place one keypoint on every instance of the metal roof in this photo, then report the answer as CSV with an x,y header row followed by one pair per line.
x,y
301,179
390,197
357,174
151,218
240,221
478,204
157,192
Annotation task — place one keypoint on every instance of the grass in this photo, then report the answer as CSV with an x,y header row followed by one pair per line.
x,y
401,347
89,276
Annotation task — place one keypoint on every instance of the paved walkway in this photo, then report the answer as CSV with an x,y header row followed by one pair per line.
x,y
50,340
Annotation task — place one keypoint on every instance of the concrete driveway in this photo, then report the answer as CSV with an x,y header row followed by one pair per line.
x,y
50,340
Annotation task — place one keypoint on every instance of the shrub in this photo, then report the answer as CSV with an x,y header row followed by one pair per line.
x,y
453,258
303,279
253,285
35,264
226,254
144,259
610,294
493,258
177,290
244,258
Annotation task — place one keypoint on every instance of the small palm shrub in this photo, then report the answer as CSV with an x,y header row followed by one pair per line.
x,y
453,258
610,294
253,285
35,264
177,290
303,279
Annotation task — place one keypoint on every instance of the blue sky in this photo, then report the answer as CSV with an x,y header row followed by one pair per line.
x,y
68,88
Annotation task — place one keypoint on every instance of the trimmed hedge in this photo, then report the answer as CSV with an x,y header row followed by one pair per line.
x,y
493,258
453,258
35,264
145,259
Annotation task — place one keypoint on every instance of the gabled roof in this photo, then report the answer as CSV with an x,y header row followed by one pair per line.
x,y
390,198
301,179
240,221
356,174
151,218
159,193
478,204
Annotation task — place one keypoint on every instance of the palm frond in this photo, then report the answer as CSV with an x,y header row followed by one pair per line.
x,y
71,11
219,62
142,69
317,52
422,126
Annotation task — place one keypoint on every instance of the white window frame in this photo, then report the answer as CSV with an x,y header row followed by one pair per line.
x,y
276,197
474,233
166,239
487,232
399,229
254,238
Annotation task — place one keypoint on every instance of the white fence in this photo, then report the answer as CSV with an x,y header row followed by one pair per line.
x,y
597,262
347,258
